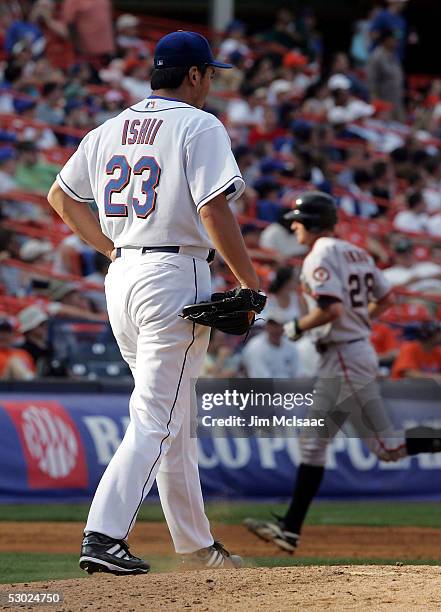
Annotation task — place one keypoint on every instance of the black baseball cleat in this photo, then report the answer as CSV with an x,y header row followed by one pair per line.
x,y
212,557
273,532
99,553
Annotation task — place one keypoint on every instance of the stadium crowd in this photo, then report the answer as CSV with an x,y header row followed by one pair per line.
x,y
352,124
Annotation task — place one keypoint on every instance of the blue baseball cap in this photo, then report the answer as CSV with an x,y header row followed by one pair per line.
x,y
181,49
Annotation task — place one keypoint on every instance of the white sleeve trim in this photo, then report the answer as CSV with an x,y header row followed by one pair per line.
x,y
237,180
70,192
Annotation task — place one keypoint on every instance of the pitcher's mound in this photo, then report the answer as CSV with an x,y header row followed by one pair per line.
x,y
276,590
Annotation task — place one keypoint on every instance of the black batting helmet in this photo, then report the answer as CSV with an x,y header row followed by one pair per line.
x,y
315,210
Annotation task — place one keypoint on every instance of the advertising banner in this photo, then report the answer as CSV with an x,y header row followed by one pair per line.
x,y
55,447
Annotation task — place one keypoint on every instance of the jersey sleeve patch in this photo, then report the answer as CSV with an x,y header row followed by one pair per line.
x,y
321,274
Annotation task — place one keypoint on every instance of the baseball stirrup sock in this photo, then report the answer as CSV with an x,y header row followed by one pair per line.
x,y
423,440
309,478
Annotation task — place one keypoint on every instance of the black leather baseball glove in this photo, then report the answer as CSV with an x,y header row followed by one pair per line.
x,y
232,312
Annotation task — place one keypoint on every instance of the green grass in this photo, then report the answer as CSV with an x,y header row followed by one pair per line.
x,y
36,567
28,567
376,514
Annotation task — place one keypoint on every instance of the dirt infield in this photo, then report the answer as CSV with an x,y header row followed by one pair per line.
x,y
400,543
278,589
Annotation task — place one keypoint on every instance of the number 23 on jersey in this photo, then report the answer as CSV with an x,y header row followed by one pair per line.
x,y
119,163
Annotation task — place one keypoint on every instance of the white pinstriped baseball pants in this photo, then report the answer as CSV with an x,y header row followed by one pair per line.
x,y
145,294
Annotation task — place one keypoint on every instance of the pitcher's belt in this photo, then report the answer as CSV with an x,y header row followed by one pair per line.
x,y
198,252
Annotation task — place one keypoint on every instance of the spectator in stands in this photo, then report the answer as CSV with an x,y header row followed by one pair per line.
x,y
36,251
33,325
33,173
248,163
51,108
341,65
98,299
268,204
69,294
361,40
415,218
311,39
261,75
385,74
270,354
284,31
280,94
71,255
431,171
40,136
383,184
42,69
284,301
251,235
90,28
345,107
294,73
361,203
127,35
79,76
386,344
68,300
422,276
421,358
248,110
25,32
44,12
221,361
235,41
233,79
355,159
435,226
9,244
317,102
15,364
8,167
136,80
279,237
268,130
391,19
113,104
10,277
78,117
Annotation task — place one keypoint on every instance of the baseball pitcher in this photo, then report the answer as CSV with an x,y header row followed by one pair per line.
x,y
161,174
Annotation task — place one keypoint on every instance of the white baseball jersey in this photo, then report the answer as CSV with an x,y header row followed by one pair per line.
x,y
150,170
336,268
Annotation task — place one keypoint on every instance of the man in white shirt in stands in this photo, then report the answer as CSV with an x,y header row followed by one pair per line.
x,y
422,276
415,218
247,110
279,237
270,354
